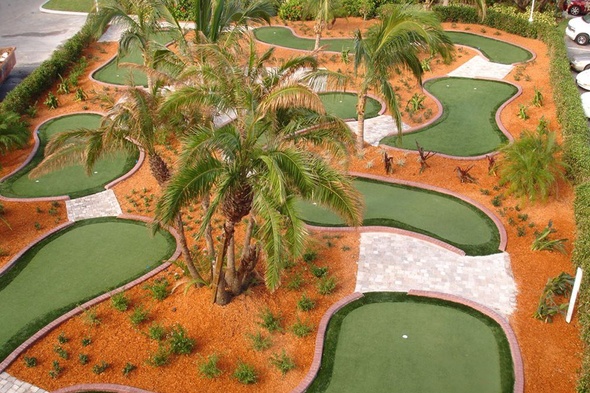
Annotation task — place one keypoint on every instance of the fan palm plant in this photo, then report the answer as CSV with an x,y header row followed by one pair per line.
x,y
394,45
14,133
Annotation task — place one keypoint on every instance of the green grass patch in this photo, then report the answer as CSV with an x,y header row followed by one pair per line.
x,y
467,126
343,105
70,5
495,50
276,35
72,266
448,348
440,216
71,180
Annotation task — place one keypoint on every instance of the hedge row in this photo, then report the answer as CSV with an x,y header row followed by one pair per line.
x,y
576,143
45,76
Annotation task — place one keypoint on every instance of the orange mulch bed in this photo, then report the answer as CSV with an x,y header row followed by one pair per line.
x,y
551,352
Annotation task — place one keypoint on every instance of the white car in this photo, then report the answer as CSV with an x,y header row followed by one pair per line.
x,y
580,62
578,29
586,103
583,79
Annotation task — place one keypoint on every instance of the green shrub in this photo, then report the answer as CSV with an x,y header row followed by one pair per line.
x,y
259,342
319,272
326,285
56,369
51,101
120,302
208,368
83,359
305,303
295,282
128,368
100,367
30,361
292,10
309,256
86,341
301,329
269,321
62,339
159,358
180,342
159,289
543,241
156,331
560,286
61,352
245,373
283,362
138,316
14,133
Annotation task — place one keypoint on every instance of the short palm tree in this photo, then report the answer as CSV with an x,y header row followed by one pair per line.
x,y
323,12
259,165
14,133
393,45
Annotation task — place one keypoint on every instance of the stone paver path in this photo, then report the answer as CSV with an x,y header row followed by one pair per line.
x,y
377,128
103,204
479,67
9,384
395,262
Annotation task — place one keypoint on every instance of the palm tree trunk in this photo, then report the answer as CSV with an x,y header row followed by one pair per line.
x,y
360,111
220,295
231,276
317,28
249,257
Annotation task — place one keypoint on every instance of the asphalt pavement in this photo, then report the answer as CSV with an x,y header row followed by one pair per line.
x,y
35,34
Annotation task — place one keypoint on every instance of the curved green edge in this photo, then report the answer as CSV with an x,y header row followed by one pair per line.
x,y
467,126
277,35
71,180
393,359
427,212
495,50
343,105
71,267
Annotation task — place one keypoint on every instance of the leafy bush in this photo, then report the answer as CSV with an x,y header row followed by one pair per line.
x,y
30,361
14,133
156,331
270,322
283,362
62,339
543,241
56,369
295,282
301,329
100,367
208,368
120,302
560,286
245,374
159,358
138,315
61,352
319,272
259,342
180,342
326,285
83,359
128,368
305,303
292,10
309,256
159,289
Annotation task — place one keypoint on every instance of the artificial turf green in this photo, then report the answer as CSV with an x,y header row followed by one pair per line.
x,y
441,216
276,35
72,266
343,105
71,180
116,73
450,348
467,126
70,5
495,50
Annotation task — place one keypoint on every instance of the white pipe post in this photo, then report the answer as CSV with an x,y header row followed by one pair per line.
x,y
532,8
575,290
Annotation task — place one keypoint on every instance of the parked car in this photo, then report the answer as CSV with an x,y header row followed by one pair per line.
x,y
586,103
576,7
578,29
580,62
583,79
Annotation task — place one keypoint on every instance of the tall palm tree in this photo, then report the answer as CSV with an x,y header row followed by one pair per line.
x,y
323,11
393,45
258,166
14,133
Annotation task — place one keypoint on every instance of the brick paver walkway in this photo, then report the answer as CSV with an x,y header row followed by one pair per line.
x,y
9,384
103,204
395,262
479,67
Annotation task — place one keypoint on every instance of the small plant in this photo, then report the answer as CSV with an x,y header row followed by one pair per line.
x,y
560,286
464,175
305,303
83,359
270,322
159,289
138,316
544,242
156,331
62,339
100,367
64,86
326,285
301,329
538,98
245,373
415,103
51,101
56,369
52,211
38,226
128,368
319,272
30,361
208,368
159,358
80,95
424,156
522,112
497,201
86,341
283,362
31,111
295,282
259,342
310,256
62,353
120,302
520,231
90,317
180,342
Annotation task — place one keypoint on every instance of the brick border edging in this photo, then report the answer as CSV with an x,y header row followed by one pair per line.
x,y
106,387
488,212
319,341
79,309
510,335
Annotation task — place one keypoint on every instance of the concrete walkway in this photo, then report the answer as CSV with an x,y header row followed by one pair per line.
x,y
9,384
480,67
395,262
103,204
377,128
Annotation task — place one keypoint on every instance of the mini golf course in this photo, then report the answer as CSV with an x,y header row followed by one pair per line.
x,y
495,50
72,266
437,215
276,35
343,105
71,180
465,129
115,73
392,342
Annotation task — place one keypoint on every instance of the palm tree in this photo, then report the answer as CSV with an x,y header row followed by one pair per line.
x,y
393,45
258,166
14,134
324,13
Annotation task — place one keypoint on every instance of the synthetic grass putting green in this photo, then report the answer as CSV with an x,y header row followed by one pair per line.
x,y
115,74
343,105
70,5
276,35
467,126
441,216
495,50
392,342
72,266
71,180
